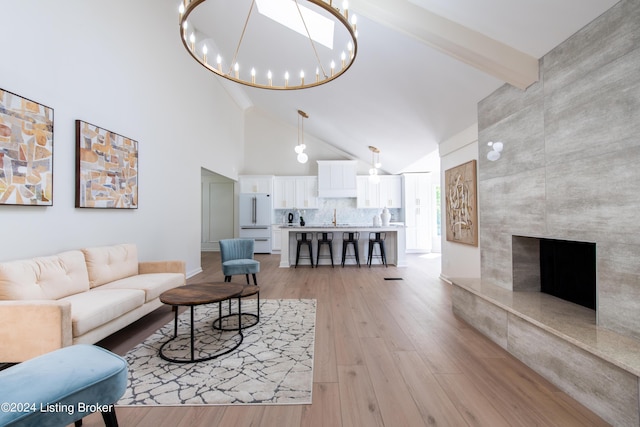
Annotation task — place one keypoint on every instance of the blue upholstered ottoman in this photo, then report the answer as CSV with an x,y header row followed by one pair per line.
x,y
61,387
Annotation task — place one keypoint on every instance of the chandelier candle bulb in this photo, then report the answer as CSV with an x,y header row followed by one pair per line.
x,y
301,78
286,79
333,67
253,75
192,40
219,62
204,53
270,78
343,58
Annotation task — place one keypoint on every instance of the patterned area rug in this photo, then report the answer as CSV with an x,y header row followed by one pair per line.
x,y
273,365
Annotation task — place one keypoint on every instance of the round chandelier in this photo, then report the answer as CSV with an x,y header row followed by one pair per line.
x,y
270,44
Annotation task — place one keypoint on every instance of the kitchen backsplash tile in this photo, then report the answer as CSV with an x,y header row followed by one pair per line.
x,y
346,213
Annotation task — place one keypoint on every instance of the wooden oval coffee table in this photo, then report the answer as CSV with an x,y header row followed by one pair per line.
x,y
199,294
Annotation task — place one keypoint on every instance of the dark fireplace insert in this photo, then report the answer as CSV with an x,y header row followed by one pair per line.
x,y
568,271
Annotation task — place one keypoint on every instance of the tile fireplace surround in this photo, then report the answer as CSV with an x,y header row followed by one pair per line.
x,y
568,171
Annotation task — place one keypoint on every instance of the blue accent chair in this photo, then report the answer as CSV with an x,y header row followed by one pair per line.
x,y
61,387
237,258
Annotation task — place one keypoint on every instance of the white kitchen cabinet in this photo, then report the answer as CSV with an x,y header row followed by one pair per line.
x,y
390,191
306,188
386,193
276,238
337,178
256,184
368,193
295,192
284,192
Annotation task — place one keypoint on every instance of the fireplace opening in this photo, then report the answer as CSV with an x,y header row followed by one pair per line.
x,y
568,271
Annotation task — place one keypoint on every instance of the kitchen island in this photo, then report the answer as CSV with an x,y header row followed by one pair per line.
x,y
394,244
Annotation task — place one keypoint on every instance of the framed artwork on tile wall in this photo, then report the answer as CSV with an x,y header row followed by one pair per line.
x,y
106,168
26,151
461,204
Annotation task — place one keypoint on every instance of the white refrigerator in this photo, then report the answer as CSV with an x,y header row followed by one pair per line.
x,y
255,220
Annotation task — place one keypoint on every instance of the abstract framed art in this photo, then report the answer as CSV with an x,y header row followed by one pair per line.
x,y
106,168
462,211
26,151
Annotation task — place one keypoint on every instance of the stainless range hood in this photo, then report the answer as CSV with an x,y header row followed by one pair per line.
x,y
337,178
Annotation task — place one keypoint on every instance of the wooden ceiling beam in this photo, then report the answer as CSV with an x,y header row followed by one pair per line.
x,y
471,47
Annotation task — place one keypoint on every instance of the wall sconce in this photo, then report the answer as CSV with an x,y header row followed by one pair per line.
x,y
496,149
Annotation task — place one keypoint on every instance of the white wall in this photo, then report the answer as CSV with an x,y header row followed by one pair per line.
x,y
458,260
110,64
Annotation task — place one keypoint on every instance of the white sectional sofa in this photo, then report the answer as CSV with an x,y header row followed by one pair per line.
x,y
78,296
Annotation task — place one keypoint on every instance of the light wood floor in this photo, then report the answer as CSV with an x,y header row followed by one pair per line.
x,y
387,353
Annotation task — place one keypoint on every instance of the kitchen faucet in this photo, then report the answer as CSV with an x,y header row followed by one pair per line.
x,y
335,222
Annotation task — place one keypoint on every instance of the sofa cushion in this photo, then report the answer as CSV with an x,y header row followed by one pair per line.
x,y
108,263
52,277
153,284
96,307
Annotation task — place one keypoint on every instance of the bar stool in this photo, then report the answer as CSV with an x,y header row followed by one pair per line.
x,y
304,239
377,237
350,237
324,239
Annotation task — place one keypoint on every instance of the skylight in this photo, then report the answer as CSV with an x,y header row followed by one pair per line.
x,y
286,13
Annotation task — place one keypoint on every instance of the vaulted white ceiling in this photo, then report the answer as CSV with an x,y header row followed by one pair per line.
x,y
421,69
